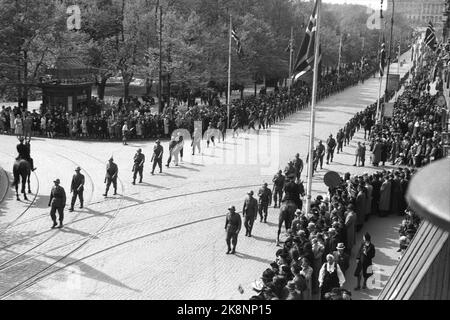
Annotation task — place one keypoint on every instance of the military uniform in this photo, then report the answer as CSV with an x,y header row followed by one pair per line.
x,y
331,145
157,157
249,212
57,202
232,226
265,198
111,177
77,188
138,166
278,185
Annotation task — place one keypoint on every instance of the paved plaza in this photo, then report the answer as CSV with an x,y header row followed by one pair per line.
x,y
165,238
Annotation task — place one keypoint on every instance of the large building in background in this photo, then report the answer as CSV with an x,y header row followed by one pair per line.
x,y
420,12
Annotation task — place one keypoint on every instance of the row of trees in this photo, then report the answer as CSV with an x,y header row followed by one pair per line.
x,y
130,38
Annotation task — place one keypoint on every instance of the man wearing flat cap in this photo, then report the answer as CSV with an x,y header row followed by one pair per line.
x,y
111,176
138,166
265,199
249,212
233,227
77,188
57,202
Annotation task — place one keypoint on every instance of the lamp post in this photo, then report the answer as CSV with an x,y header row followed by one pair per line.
x,y
389,54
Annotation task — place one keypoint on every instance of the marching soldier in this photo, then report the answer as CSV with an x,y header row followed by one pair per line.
x,y
278,185
233,227
111,176
57,202
249,212
265,200
158,151
320,153
340,140
331,145
298,165
77,188
138,166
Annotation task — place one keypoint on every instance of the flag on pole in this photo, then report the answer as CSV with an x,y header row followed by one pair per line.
x,y
237,40
430,37
382,57
305,57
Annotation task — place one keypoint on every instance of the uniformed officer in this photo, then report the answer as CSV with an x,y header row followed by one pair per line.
x,y
320,153
138,166
57,202
249,212
24,150
278,185
340,140
331,145
265,200
233,227
298,165
158,151
111,176
77,188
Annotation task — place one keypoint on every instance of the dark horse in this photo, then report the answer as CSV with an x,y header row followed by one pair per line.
x,y
21,169
287,214
288,208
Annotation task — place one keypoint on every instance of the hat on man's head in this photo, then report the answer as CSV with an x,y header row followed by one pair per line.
x,y
139,150
232,208
340,246
311,225
250,193
157,141
21,138
111,159
77,169
57,181
268,274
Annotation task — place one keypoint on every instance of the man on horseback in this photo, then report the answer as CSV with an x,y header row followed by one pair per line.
x,y
290,203
24,150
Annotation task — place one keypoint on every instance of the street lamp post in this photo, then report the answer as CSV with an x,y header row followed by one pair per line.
x,y
389,55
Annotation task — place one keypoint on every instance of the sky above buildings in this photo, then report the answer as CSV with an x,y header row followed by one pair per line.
x,y
375,4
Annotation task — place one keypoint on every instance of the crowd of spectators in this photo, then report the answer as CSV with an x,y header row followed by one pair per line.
x,y
411,138
106,120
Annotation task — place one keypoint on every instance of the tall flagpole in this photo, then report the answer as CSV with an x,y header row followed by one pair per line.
x,y
313,105
291,51
229,76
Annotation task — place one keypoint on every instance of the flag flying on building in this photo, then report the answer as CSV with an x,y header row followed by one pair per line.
x,y
382,57
237,40
430,37
305,58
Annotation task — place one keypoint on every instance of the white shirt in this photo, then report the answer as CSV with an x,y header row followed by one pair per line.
x,y
330,269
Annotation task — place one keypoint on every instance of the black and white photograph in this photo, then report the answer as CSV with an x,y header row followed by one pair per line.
x,y
223,154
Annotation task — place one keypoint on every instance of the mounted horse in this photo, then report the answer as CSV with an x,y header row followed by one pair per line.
x,y
290,204
21,169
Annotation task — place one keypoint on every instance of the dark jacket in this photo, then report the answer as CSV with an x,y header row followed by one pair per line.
x,y
57,197
250,207
77,182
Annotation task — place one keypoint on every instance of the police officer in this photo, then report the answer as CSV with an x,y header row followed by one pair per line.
x,y
298,165
57,202
233,225
24,150
138,166
331,145
111,176
278,185
249,212
158,151
265,200
77,188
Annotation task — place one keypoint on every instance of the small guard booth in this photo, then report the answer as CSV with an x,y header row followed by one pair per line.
x,y
67,86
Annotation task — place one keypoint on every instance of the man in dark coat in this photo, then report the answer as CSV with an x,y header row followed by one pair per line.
x,y
138,166
77,188
158,151
364,260
320,153
233,227
340,140
342,258
57,202
24,150
111,176
265,199
249,212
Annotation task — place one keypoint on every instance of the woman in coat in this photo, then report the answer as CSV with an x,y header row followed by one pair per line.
x,y
360,207
385,197
377,153
363,261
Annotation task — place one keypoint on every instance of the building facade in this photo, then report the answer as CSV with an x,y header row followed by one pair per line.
x,y
420,12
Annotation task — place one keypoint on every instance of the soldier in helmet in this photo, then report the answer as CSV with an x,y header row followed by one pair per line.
x,y
265,200
138,166
233,227
111,176
278,185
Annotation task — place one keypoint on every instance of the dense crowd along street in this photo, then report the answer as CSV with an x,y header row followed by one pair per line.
x,y
146,193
